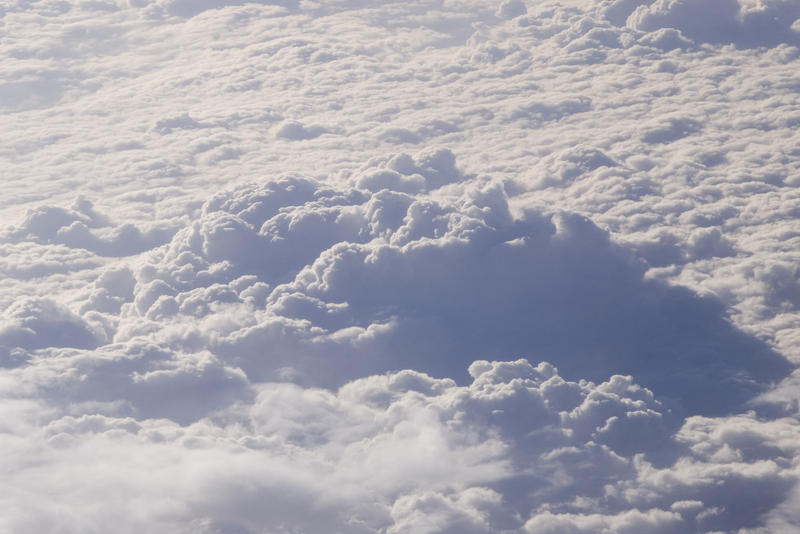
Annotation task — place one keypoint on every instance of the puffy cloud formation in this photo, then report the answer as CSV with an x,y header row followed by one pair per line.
x,y
297,279
519,449
73,228
296,266
202,362
36,323
741,22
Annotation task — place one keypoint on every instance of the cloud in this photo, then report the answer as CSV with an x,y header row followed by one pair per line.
x,y
25,261
561,168
428,170
36,322
292,273
741,22
661,521
674,129
266,206
295,131
210,349
191,8
82,227
519,448
539,112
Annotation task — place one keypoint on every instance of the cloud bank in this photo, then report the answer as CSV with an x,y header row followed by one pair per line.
x,y
421,267
206,360
519,448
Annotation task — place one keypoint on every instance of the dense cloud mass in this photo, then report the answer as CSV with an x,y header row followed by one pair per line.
x,y
411,268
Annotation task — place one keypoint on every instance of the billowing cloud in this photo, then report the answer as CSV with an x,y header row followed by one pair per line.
x,y
293,274
36,323
741,22
519,448
418,267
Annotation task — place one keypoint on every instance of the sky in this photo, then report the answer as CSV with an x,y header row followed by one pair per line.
x,y
419,267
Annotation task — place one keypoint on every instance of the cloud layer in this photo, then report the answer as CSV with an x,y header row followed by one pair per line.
x,y
519,448
423,267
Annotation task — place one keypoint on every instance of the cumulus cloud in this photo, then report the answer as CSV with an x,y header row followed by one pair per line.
x,y
302,284
434,283
82,226
37,322
191,8
741,22
294,266
295,131
519,448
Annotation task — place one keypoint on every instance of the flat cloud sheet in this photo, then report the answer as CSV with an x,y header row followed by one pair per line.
x,y
402,267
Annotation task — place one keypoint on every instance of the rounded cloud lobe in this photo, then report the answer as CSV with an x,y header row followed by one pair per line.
x,y
740,22
36,323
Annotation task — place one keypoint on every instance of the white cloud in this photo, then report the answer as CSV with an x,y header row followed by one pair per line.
x,y
402,452
363,281
741,22
295,131
82,227
36,322
277,196
660,521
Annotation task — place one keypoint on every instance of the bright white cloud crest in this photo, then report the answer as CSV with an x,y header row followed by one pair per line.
x,y
422,267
